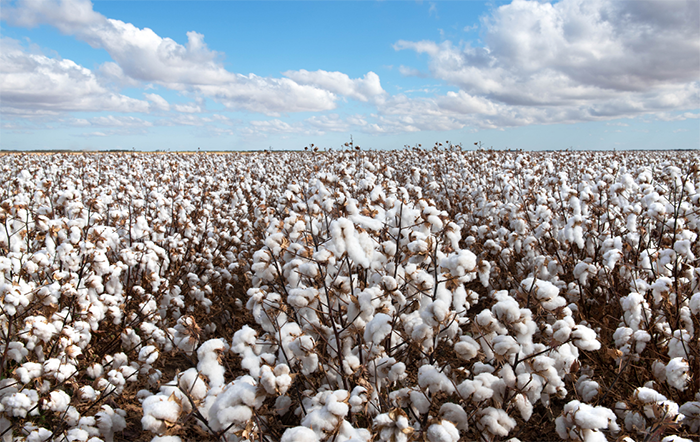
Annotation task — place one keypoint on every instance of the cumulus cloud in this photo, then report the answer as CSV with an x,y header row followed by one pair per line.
x,y
574,60
278,127
188,108
330,123
158,102
142,55
365,89
119,121
33,82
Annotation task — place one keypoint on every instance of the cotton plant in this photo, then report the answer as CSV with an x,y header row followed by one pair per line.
x,y
406,286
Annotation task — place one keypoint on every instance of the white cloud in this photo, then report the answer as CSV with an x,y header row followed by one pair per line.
x,y
574,60
330,123
365,89
158,102
188,108
33,83
278,127
142,55
412,72
120,121
270,96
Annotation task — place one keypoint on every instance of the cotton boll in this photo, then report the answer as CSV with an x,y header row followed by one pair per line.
x,y
587,388
28,371
237,414
377,329
585,338
546,292
267,380
445,431
434,381
393,426
87,393
505,345
166,439
691,411
244,344
677,373
109,421
299,434
678,343
209,365
282,404
455,414
157,410
675,438
419,401
635,422
148,354
495,421
579,418
59,401
191,382
507,308
524,406
242,391
694,303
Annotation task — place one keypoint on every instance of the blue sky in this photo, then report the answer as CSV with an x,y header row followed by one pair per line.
x,y
237,75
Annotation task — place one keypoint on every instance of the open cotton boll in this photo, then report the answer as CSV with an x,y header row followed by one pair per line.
x,y
377,329
445,431
191,383
455,414
459,263
59,401
28,371
479,388
466,348
691,411
677,373
434,381
579,419
87,393
694,303
585,338
244,344
157,410
110,421
166,439
393,426
587,388
346,239
678,343
299,434
546,292
148,354
209,365
675,438
238,395
495,421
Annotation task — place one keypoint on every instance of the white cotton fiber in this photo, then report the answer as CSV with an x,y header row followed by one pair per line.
x,y
299,434
191,382
496,421
377,329
677,373
209,365
585,338
445,431
455,414
466,348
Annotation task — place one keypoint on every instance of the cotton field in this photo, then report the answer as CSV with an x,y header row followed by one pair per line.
x,y
414,295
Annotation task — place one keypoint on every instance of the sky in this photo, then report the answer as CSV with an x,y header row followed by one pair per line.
x,y
281,75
